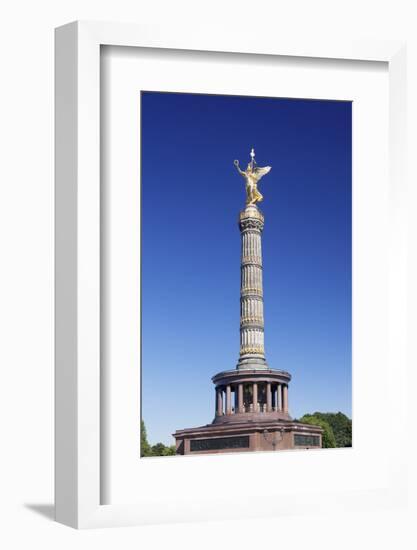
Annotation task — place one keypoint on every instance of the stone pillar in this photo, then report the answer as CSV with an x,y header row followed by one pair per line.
x,y
255,397
279,396
285,398
228,400
240,398
219,401
268,397
252,354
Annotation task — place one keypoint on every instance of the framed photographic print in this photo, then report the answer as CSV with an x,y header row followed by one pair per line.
x,y
228,229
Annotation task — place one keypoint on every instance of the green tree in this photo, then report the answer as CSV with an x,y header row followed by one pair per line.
x,y
341,426
145,448
171,450
159,449
328,439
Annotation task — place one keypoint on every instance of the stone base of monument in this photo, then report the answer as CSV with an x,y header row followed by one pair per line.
x,y
250,435
251,414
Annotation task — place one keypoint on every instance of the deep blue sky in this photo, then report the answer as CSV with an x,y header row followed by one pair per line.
x,y
191,197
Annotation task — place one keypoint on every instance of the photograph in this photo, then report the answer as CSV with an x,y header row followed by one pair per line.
x,y
209,263
246,240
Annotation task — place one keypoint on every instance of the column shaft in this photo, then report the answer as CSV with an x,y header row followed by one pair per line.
x,y
240,398
255,397
219,401
279,395
285,398
251,223
268,397
228,400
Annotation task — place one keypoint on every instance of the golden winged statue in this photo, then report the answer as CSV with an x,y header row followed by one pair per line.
x,y
252,175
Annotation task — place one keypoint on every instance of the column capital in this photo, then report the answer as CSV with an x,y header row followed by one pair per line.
x,y
251,218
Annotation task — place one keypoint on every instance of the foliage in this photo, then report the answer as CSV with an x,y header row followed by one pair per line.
x,y
341,426
159,449
328,439
145,448
162,450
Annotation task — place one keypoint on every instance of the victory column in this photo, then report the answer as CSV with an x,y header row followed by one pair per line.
x,y
251,401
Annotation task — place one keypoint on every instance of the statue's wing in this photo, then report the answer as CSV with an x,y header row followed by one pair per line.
x,y
260,172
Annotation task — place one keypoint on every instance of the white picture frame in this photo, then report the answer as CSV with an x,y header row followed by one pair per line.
x,y
78,264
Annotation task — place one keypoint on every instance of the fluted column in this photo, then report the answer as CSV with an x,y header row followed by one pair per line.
x,y
252,354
